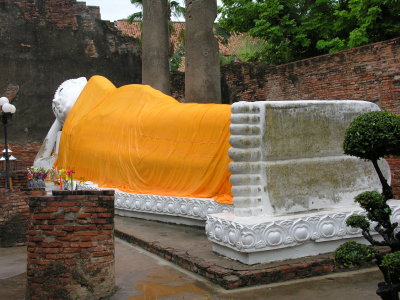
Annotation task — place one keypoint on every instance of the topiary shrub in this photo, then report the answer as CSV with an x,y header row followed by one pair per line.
x,y
391,262
354,254
376,207
379,212
358,222
372,136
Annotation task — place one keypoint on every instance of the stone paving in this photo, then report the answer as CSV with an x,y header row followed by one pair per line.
x,y
189,248
142,275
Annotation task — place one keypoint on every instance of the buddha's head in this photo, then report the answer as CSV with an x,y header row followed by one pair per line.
x,y
66,96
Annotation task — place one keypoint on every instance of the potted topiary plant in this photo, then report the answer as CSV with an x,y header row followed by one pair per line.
x,y
371,136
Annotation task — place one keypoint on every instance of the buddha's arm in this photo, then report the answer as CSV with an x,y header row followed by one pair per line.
x,y
44,158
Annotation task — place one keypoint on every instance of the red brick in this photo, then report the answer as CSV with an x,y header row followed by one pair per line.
x,y
51,245
75,198
49,209
99,221
48,250
36,238
72,250
62,256
103,253
105,215
57,222
71,209
323,269
63,204
69,238
45,216
70,244
86,233
103,237
83,216
102,259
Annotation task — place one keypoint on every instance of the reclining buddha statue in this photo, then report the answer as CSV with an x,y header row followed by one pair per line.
x,y
283,161
275,157
139,140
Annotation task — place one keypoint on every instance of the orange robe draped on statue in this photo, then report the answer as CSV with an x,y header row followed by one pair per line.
x,y
139,140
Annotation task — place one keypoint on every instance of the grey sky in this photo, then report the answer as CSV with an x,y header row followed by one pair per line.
x,y
115,9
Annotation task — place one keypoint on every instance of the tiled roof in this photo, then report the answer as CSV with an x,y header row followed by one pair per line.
x,y
175,39
129,29
134,30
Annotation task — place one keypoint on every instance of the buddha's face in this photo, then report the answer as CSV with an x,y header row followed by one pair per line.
x,y
65,97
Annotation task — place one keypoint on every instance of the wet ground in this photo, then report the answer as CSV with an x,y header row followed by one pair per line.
x,y
141,275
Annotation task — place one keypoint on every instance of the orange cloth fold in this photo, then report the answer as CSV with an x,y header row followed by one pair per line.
x,y
139,140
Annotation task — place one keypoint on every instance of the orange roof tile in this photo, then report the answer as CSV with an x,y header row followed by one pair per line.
x,y
134,30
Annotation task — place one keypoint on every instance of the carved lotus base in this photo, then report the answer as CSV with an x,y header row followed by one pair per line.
x,y
178,210
273,238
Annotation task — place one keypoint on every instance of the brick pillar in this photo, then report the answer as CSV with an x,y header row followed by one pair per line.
x,y
71,245
14,215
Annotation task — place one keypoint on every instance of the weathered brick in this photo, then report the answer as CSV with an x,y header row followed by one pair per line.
x,y
103,253
51,245
14,212
91,233
57,251
63,204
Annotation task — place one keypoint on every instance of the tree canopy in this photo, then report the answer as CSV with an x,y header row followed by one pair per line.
x,y
174,10
297,29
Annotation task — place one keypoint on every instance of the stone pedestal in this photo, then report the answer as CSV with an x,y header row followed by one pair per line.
x,y
293,186
71,245
273,238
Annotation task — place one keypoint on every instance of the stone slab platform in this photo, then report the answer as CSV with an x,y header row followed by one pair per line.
x,y
189,248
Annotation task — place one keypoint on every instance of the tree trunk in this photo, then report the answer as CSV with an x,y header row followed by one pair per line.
x,y
202,70
155,44
386,188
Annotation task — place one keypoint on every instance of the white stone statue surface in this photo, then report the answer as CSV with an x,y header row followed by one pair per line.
x,y
64,98
288,157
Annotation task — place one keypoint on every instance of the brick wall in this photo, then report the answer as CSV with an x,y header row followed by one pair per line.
x,y
71,245
370,72
63,13
45,42
14,215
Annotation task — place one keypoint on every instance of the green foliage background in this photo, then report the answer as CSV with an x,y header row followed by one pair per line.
x,y
297,29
